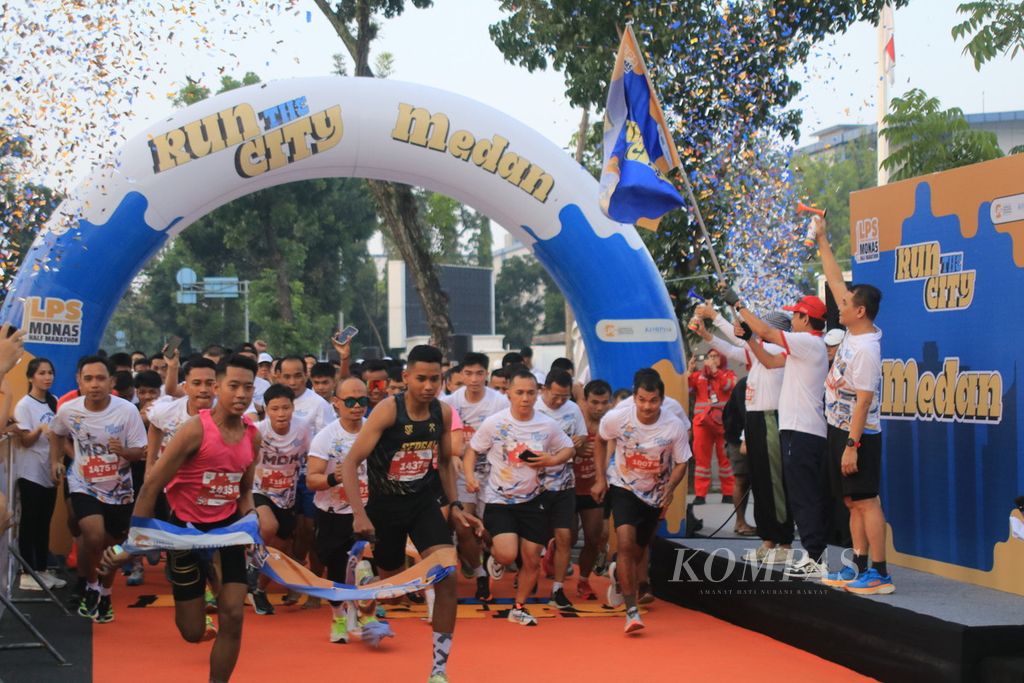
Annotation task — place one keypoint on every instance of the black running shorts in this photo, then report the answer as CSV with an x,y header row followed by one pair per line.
x,y
416,515
627,509
188,570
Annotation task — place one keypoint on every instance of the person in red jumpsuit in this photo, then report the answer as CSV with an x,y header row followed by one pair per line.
x,y
712,385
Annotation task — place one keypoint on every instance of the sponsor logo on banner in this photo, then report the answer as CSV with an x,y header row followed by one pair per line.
x,y
865,233
263,141
49,320
947,285
1007,209
638,330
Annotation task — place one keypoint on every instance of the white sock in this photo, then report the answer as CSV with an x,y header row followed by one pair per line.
x,y
338,611
93,586
104,590
556,586
479,571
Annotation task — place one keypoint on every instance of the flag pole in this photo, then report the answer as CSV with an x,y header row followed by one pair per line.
x,y
886,65
703,228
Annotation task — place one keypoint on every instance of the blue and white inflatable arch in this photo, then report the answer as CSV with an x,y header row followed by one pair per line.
x,y
245,140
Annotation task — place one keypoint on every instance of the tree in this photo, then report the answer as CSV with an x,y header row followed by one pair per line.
x,y
527,301
827,180
927,139
994,26
722,70
353,21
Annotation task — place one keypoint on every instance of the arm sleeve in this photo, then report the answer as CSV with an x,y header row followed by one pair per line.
x,y
320,446
799,344
483,437
610,427
733,353
557,439
726,329
22,416
135,430
59,424
681,446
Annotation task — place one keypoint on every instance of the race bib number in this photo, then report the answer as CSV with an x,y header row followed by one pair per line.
x,y
277,480
467,432
642,463
100,467
220,488
586,468
338,497
411,465
750,393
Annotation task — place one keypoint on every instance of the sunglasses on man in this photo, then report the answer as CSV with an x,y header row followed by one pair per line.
x,y
352,402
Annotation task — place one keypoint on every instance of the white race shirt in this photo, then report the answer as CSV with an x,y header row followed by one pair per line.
x,y
857,367
168,415
763,384
259,387
96,471
333,444
280,458
801,401
33,463
503,438
312,408
473,415
644,454
570,418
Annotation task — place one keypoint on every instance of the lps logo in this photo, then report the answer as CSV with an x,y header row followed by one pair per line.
x,y
49,320
865,232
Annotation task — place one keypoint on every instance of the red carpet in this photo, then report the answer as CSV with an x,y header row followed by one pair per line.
x,y
142,644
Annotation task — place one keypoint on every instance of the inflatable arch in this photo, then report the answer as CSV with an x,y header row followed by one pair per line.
x,y
245,140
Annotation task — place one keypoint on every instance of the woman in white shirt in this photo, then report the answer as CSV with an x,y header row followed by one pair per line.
x,y
36,489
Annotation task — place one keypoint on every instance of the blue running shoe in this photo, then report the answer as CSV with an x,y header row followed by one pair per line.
x,y
872,583
841,578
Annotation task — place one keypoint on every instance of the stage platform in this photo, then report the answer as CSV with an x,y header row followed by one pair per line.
x,y
931,629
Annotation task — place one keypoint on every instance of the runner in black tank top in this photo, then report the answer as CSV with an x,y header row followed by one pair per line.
x,y
405,459
406,443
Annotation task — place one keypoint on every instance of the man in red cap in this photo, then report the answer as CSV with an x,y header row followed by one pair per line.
x,y
802,427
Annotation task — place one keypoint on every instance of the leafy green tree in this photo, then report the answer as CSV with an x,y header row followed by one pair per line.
x,y
827,180
527,301
926,138
994,27
723,73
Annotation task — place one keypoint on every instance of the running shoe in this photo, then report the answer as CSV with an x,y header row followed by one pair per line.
x,y
615,598
763,555
547,561
211,601
90,602
153,557
210,631
559,600
646,596
633,622
495,569
727,500
71,561
519,615
52,580
872,583
104,611
135,578
261,603
805,568
339,630
699,500
291,597
27,583
584,591
600,564
841,578
438,678
483,589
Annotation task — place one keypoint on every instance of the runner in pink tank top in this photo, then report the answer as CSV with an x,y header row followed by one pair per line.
x,y
207,472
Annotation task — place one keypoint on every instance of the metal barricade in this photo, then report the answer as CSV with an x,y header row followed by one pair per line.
x,y
11,561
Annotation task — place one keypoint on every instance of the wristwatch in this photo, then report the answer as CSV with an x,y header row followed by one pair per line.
x,y
850,443
456,504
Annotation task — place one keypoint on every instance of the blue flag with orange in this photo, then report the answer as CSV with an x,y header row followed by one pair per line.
x,y
638,147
